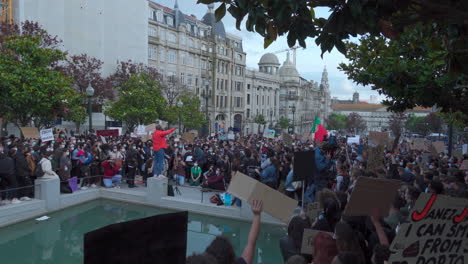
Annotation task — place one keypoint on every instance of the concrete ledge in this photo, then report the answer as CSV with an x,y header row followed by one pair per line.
x,y
82,196
49,200
14,213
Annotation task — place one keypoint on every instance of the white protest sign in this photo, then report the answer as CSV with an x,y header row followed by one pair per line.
x,y
231,137
437,232
141,130
465,148
47,135
103,139
354,140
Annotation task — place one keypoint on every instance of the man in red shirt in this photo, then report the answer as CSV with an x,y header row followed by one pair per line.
x,y
159,144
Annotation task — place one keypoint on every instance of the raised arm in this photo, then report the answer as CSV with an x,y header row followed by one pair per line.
x,y
249,250
167,132
378,228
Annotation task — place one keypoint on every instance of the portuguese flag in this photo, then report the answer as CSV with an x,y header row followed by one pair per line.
x,y
315,125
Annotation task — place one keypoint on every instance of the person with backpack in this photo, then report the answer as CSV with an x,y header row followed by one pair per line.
x,y
342,180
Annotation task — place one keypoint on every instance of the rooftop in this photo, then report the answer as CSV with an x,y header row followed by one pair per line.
x,y
370,107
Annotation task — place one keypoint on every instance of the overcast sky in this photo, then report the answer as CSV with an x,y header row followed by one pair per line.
x,y
309,63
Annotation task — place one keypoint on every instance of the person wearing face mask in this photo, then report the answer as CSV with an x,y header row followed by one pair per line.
x,y
195,175
46,165
215,180
65,165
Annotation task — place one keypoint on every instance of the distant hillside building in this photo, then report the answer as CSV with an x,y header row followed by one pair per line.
x,y
376,115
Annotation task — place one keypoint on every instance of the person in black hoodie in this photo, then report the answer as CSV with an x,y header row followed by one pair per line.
x,y
22,173
8,178
132,164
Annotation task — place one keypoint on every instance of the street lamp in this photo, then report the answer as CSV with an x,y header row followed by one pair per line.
x,y
293,109
90,93
206,96
271,119
180,104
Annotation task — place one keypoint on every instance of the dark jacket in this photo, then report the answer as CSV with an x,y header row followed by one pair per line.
x,y
21,165
7,165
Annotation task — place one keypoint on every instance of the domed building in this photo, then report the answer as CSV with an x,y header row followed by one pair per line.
x,y
276,91
269,63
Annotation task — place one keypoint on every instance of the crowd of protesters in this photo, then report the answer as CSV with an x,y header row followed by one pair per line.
x,y
211,163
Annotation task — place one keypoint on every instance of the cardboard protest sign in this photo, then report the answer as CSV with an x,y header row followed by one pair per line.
x,y
150,128
145,138
188,137
458,154
269,133
308,239
275,203
439,146
103,139
381,191
378,138
194,132
30,132
287,139
47,135
464,165
375,158
353,140
419,144
313,210
436,232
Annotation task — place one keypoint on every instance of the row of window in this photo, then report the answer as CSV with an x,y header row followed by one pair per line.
x,y
158,15
172,37
222,101
188,78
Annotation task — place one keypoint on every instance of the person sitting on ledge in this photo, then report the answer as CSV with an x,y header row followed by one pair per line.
x,y
214,180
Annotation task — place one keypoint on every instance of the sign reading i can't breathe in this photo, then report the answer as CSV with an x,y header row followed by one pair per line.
x,y
47,135
437,232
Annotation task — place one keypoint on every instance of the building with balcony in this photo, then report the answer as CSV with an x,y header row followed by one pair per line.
x,y
204,58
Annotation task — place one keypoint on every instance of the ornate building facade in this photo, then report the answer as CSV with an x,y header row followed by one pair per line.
x,y
212,64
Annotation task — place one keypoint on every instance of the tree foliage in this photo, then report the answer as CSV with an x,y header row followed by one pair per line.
x,y
191,115
296,18
125,69
416,124
355,123
31,89
395,125
85,71
283,122
140,102
337,121
411,71
171,88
